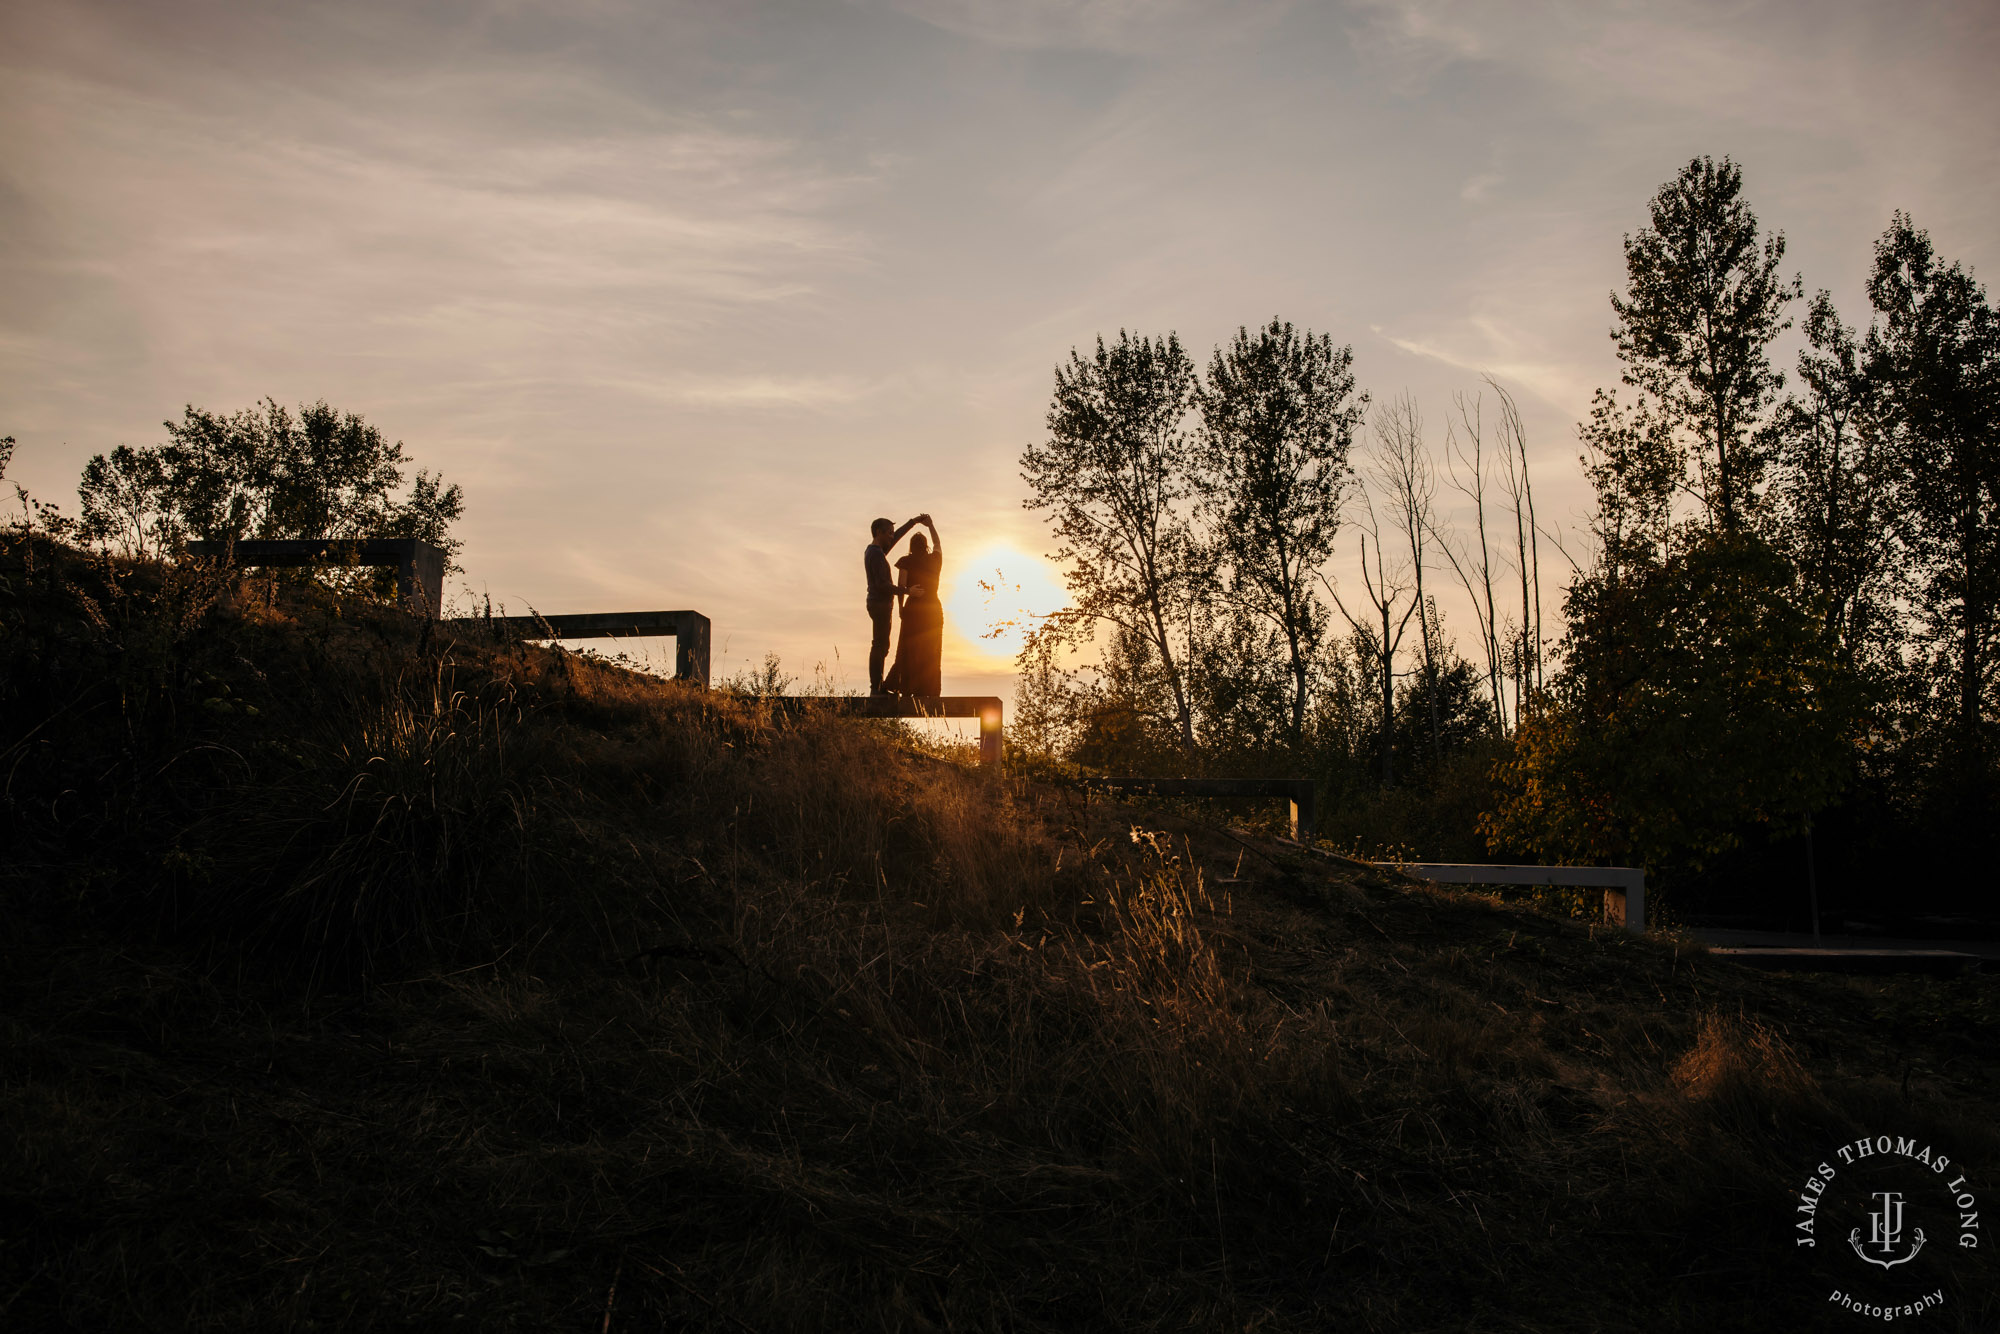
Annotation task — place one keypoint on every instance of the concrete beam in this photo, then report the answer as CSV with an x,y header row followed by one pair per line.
x,y
1624,886
419,565
1936,963
986,708
690,630
1298,792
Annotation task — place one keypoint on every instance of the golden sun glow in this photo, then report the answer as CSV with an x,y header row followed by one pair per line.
x,y
997,594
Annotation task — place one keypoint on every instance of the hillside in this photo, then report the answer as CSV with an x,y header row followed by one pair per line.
x,y
359,977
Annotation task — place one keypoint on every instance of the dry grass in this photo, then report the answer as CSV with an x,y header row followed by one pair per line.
x,y
463,984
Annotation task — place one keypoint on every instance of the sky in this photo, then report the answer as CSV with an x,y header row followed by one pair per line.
x,y
683,295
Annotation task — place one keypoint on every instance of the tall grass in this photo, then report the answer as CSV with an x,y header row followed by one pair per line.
x,y
401,835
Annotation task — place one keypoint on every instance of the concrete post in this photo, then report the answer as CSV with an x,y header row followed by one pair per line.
x,y
989,734
1304,827
420,580
691,648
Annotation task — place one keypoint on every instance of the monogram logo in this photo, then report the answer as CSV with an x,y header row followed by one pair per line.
x,y
1885,1232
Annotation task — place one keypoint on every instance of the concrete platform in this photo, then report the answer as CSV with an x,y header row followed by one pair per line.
x,y
419,565
986,708
1806,959
1296,791
1837,940
1624,886
690,630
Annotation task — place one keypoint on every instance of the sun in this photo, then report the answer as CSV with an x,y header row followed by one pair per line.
x,y
998,594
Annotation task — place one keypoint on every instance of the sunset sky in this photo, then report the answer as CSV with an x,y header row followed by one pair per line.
x,y
685,295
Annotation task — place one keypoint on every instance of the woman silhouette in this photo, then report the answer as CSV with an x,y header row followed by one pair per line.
x,y
920,646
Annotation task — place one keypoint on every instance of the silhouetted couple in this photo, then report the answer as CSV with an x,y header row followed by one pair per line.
x,y
921,646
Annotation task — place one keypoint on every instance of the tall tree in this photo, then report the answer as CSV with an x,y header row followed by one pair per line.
x,y
1700,698
1114,478
1833,513
1402,467
1378,634
1526,645
1278,417
1466,462
1933,354
1706,300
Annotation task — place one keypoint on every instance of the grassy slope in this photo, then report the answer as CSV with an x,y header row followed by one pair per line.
x,y
465,983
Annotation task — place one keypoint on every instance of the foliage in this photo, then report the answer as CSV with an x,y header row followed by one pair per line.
x,y
1214,657
1124,712
767,681
1439,713
262,473
1193,568
1835,513
1699,701
1933,356
1635,466
1244,687
1279,413
1044,720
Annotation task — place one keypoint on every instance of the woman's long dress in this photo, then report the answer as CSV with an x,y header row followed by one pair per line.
x,y
920,647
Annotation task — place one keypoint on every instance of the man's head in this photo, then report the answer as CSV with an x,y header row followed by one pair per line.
x,y
884,530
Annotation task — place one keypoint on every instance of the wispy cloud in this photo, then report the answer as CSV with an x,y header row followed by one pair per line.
x,y
1422,34
437,211
750,392
1482,346
1106,25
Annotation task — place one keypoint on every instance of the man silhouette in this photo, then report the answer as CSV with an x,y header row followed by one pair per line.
x,y
882,592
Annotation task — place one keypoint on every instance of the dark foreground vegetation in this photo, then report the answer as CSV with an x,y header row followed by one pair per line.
x,y
356,977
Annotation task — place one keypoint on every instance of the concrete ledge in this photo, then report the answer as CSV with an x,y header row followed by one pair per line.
x,y
1935,963
1624,886
419,565
986,708
690,630
1298,792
